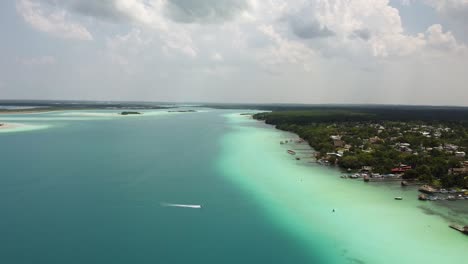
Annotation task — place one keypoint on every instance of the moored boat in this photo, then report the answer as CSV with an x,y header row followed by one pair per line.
x,y
422,197
427,189
291,152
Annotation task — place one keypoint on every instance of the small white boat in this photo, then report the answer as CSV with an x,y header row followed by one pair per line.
x,y
193,206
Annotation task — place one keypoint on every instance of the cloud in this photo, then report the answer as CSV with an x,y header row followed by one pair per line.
x,y
364,34
98,9
217,57
438,39
42,60
255,48
206,11
55,22
454,10
309,29
284,51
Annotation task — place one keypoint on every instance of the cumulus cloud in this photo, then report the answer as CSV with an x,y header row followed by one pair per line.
x,y
55,22
207,11
284,50
217,57
438,39
100,9
42,60
363,33
308,29
303,41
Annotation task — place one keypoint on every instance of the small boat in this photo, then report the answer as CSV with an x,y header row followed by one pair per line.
x,y
398,198
297,158
427,189
291,152
422,197
193,206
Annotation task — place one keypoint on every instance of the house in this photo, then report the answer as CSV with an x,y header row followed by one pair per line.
x,y
458,171
401,169
366,168
338,143
335,137
460,154
450,147
374,140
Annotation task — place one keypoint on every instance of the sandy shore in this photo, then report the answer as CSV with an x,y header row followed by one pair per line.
x,y
8,126
25,111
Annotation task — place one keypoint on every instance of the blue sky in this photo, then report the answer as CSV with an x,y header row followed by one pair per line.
x,y
276,51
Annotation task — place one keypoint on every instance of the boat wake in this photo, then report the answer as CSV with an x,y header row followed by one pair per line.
x,y
193,206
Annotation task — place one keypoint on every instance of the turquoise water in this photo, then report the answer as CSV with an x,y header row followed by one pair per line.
x,y
87,187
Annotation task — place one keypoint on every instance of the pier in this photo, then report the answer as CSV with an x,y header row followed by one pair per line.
x,y
462,229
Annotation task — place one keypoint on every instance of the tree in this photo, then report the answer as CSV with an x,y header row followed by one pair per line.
x,y
350,162
410,175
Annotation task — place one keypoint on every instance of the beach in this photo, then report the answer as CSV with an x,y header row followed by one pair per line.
x,y
7,126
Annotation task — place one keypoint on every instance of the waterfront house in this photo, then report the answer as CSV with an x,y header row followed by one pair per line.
x,y
338,143
458,171
401,169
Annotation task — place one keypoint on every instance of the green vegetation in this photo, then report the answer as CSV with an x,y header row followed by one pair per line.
x,y
428,145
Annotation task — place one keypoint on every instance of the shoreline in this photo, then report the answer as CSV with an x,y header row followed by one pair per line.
x,y
300,197
440,197
9,126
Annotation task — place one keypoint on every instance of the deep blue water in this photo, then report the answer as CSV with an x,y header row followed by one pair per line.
x,y
90,191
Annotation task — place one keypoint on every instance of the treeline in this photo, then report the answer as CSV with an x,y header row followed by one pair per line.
x,y
366,114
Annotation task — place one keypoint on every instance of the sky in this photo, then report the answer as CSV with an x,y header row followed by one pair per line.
x,y
236,51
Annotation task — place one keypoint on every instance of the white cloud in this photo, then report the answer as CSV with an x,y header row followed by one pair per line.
x,y
42,60
284,50
305,43
217,57
438,39
55,22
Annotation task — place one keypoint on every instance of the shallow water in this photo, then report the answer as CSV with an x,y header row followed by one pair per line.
x,y
94,189
368,225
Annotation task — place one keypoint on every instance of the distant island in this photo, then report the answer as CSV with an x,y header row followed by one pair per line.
x,y
426,145
182,111
36,106
130,113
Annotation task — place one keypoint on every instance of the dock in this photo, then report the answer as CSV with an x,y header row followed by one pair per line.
x,y
460,228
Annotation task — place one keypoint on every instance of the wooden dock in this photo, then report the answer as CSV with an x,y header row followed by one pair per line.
x,y
460,228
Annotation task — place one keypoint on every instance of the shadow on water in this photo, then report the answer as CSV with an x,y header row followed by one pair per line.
x,y
453,212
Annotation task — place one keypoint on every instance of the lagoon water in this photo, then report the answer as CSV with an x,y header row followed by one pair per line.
x,y
91,187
